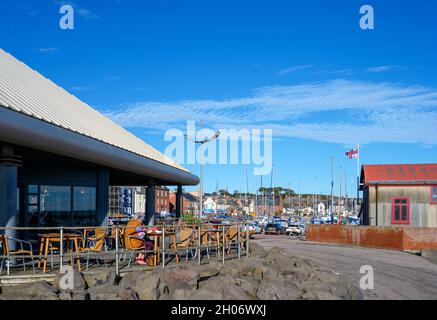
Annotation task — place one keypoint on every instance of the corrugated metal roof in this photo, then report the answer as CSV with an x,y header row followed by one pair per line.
x,y
28,92
396,173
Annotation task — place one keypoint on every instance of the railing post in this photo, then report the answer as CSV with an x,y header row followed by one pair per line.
x,y
199,240
61,247
223,244
163,247
247,239
117,232
238,240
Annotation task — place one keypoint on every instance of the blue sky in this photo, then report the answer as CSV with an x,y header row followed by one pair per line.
x,y
303,69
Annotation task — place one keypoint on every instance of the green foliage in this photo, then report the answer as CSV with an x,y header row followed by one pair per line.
x,y
189,218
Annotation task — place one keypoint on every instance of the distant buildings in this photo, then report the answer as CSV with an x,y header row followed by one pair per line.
x,y
132,200
190,202
399,195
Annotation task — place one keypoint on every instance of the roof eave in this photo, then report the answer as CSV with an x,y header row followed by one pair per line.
x,y
33,133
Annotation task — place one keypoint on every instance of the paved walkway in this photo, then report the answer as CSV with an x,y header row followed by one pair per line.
x,y
398,275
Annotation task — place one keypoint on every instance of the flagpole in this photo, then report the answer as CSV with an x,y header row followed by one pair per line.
x,y
358,174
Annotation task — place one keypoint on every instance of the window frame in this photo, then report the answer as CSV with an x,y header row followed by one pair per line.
x,y
430,194
393,205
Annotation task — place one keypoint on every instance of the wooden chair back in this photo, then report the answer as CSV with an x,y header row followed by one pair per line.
x,y
187,236
100,235
4,244
131,230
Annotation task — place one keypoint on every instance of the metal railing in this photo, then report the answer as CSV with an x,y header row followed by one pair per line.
x,y
79,245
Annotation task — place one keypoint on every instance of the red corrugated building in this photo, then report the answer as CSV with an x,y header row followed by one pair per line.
x,y
399,195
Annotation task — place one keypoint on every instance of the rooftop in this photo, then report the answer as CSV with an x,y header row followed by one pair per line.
x,y
399,174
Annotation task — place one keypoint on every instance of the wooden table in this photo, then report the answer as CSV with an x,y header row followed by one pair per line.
x,y
48,238
157,236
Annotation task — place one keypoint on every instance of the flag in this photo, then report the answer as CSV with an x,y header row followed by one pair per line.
x,y
352,154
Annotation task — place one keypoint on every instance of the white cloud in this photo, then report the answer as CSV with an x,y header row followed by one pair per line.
x,y
47,50
339,111
380,69
294,69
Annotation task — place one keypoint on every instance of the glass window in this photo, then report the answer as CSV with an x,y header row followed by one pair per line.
x,y
84,206
32,189
400,210
434,194
55,205
33,199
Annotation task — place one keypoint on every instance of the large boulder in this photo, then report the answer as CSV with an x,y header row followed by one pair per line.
x,y
100,277
107,292
256,250
206,294
182,294
269,290
232,292
73,295
30,291
248,285
180,278
147,287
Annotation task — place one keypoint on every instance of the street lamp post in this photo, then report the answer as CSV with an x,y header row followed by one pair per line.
x,y
332,190
201,142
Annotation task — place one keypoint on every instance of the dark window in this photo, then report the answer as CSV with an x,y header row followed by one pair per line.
x,y
400,210
32,189
84,206
434,194
55,205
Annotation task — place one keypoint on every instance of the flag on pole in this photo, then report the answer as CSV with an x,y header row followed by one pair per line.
x,y
352,154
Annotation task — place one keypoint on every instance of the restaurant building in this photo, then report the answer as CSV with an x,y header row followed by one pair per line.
x,y
58,156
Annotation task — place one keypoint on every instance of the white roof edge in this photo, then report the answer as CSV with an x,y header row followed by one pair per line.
x,y
24,90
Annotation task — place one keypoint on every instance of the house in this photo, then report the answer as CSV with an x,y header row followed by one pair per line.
x,y
190,203
209,204
59,156
399,195
162,199
321,209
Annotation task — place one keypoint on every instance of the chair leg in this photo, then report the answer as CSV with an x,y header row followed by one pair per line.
x,y
7,266
130,258
97,260
24,264
104,260
1,265
51,257
87,259
33,263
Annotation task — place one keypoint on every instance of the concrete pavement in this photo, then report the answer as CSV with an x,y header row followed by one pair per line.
x,y
398,275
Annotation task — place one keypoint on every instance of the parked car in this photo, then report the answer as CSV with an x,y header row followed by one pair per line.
x,y
353,221
273,228
284,226
253,229
315,220
293,229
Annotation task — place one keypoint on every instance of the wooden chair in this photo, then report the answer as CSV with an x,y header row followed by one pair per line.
x,y
7,253
188,237
131,241
95,244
